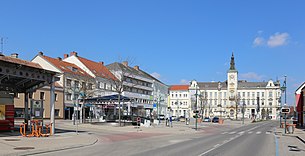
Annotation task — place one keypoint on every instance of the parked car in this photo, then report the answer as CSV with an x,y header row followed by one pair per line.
x,y
206,119
161,117
215,119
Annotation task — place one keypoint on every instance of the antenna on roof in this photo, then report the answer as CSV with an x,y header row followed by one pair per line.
x,y
2,43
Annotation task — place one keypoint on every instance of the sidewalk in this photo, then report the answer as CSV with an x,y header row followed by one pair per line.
x,y
290,144
18,145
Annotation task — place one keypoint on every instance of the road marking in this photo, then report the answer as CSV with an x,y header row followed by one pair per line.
x,y
268,133
250,132
224,132
216,145
259,132
276,145
232,132
225,141
242,132
207,151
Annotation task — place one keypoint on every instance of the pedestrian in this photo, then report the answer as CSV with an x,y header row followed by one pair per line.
x,y
171,121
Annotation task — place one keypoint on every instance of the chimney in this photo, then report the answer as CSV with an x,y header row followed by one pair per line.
x,y
136,68
73,53
101,62
59,58
40,53
125,63
66,56
14,55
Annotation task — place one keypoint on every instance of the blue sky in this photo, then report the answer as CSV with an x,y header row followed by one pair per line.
x,y
175,40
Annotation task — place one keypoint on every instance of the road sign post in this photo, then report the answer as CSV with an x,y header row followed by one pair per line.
x,y
285,111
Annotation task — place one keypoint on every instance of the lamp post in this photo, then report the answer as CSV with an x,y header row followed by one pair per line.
x,y
243,111
283,89
196,113
219,99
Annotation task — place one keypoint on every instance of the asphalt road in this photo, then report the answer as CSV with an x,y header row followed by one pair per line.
x,y
253,139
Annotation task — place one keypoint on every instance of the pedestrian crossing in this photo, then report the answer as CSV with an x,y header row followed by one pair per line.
x,y
246,132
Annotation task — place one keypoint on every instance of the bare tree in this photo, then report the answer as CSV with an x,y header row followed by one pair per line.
x,y
123,80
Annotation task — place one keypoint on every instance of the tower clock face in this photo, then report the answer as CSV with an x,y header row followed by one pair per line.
x,y
232,77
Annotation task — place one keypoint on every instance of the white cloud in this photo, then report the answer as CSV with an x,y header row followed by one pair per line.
x,y
251,75
258,41
278,39
156,75
183,81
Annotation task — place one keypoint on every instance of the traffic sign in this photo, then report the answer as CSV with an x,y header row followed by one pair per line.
x,y
285,110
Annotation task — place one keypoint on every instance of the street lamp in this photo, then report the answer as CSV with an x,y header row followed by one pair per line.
x,y
243,111
283,89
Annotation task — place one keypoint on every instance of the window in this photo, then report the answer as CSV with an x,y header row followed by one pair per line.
x,y
172,95
83,85
90,86
75,96
55,95
215,94
244,94
179,95
225,94
248,102
68,83
253,95
270,103
248,94
68,96
42,96
263,103
270,94
257,94
76,84
263,94
19,113
98,85
56,113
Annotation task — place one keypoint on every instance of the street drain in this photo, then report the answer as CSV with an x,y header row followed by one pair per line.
x,y
12,139
23,148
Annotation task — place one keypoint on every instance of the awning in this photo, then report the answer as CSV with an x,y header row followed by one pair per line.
x,y
112,98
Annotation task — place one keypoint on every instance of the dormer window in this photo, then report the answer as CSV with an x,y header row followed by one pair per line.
x,y
74,69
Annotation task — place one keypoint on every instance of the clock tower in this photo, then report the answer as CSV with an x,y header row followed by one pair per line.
x,y
232,79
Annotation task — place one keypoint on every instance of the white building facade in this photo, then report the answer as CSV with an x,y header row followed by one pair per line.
x,y
179,101
236,98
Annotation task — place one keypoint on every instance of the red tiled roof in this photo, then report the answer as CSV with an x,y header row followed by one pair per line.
x,y
97,69
19,61
179,87
66,66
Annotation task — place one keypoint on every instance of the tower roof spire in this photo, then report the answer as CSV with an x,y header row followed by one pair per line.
x,y
232,63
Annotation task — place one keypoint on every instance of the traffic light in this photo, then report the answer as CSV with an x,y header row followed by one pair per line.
x,y
285,110
196,111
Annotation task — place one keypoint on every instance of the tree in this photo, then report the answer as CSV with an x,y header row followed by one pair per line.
x,y
123,80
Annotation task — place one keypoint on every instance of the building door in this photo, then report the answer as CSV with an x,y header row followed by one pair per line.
x,y
252,113
231,113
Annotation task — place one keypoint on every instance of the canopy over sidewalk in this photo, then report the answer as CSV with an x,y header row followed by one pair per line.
x,y
112,98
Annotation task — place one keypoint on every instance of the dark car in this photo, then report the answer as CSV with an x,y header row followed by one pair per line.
x,y
215,119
